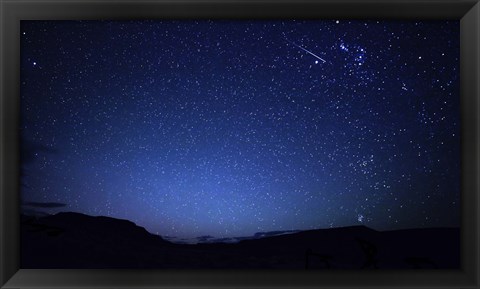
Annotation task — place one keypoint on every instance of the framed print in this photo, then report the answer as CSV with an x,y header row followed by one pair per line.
x,y
239,144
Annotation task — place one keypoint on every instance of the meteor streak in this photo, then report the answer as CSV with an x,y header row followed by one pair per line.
x,y
309,52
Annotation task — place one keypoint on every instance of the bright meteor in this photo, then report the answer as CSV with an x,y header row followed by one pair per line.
x,y
309,52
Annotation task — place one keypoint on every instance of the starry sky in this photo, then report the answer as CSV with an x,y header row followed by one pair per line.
x,y
227,128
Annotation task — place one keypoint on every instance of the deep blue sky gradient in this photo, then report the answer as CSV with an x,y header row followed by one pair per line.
x,y
227,128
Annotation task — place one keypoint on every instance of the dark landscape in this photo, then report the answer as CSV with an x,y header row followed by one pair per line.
x,y
78,241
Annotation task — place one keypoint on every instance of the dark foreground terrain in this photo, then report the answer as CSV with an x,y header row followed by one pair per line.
x,y
77,241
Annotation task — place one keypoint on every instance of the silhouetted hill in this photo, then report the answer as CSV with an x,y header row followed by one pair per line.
x,y
76,240
102,228
73,240
352,247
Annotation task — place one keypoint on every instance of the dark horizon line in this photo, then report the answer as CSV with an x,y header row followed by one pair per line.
x,y
180,240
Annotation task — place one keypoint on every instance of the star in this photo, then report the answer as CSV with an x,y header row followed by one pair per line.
x,y
360,218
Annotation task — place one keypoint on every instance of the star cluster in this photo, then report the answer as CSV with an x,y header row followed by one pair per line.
x,y
227,128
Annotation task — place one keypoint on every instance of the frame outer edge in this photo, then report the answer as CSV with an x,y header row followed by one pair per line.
x,y
476,215
2,264
9,264
470,130
9,173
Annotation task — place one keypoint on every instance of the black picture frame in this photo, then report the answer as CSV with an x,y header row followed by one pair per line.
x,y
13,11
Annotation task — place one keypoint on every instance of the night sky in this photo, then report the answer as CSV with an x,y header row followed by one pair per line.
x,y
227,128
